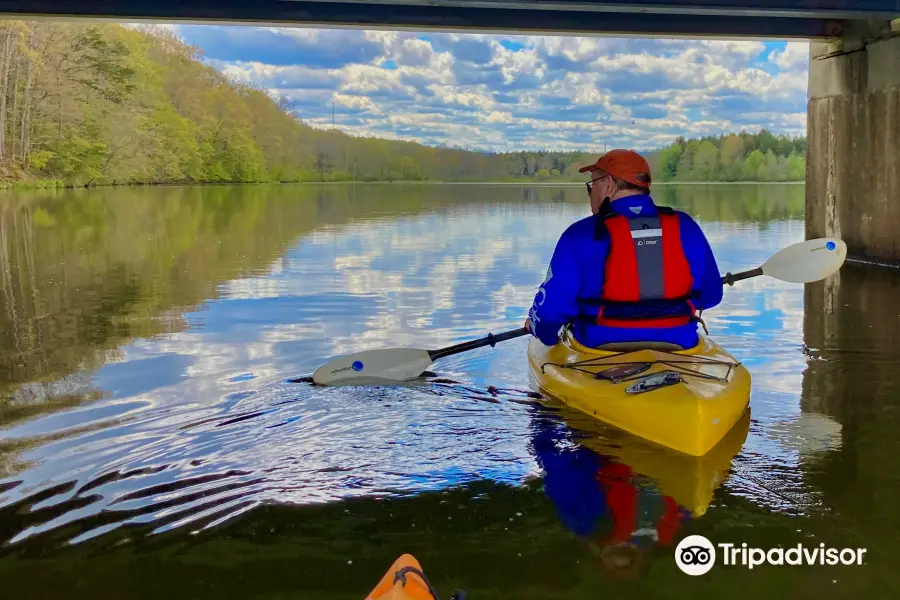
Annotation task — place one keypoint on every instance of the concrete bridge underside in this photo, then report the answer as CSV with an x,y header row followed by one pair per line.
x,y
853,126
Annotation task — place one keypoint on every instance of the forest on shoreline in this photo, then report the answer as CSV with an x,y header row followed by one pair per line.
x,y
86,104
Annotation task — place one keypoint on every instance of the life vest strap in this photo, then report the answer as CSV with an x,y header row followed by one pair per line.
x,y
643,323
593,310
597,302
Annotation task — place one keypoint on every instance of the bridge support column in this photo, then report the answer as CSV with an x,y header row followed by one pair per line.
x,y
853,137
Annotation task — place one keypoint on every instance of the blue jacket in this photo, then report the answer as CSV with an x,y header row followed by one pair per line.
x,y
577,271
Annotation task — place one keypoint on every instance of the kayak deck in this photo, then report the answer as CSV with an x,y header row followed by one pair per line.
x,y
405,580
687,400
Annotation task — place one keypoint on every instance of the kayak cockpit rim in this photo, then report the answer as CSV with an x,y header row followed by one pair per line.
x,y
607,360
584,365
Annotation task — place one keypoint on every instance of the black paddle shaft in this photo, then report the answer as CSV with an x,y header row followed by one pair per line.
x,y
730,279
491,340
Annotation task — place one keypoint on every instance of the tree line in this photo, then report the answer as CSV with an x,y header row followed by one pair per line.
x,y
733,157
92,104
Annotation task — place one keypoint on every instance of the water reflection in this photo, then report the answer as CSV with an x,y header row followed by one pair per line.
x,y
623,497
149,336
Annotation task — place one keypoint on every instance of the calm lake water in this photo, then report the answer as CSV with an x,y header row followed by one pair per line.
x,y
153,445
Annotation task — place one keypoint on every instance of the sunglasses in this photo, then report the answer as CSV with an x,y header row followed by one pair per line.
x,y
588,183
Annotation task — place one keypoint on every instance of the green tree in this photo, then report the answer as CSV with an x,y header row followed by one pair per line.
x,y
770,170
730,158
409,170
765,141
706,162
752,164
685,169
796,167
668,162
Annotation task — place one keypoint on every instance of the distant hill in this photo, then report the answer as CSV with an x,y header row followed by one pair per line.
x,y
93,104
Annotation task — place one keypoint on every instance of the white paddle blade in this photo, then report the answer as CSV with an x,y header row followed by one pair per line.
x,y
807,261
374,366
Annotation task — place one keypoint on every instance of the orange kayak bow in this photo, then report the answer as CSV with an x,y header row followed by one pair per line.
x,y
405,580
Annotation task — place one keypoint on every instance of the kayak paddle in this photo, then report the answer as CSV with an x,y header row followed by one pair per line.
x,y
396,364
802,262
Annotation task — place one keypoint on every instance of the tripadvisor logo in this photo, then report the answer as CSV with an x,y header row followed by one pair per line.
x,y
696,555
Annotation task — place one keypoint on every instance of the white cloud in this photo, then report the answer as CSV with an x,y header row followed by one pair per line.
x,y
522,92
794,58
356,102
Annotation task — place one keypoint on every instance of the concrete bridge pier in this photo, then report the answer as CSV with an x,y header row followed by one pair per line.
x,y
853,137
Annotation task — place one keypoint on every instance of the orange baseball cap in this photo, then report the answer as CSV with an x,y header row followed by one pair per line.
x,y
626,165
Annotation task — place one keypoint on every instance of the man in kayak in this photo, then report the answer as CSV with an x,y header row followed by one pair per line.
x,y
631,272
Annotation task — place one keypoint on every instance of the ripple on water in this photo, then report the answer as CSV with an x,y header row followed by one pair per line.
x,y
294,444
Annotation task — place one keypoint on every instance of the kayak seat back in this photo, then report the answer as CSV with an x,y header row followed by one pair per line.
x,y
635,346
568,337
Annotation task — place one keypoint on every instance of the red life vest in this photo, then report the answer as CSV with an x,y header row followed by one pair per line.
x,y
647,280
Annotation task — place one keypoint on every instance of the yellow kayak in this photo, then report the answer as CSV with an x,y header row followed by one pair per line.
x,y
686,400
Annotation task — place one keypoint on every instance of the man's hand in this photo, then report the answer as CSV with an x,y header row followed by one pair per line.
x,y
528,325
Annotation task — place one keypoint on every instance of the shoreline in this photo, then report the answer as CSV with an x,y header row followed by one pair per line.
x,y
25,186
580,183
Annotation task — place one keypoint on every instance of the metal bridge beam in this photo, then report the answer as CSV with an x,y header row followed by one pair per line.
x,y
808,19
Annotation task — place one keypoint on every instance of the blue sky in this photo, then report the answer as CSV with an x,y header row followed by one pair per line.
x,y
517,92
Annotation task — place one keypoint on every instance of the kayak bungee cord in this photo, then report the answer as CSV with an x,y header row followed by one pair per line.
x,y
400,576
643,365
396,585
